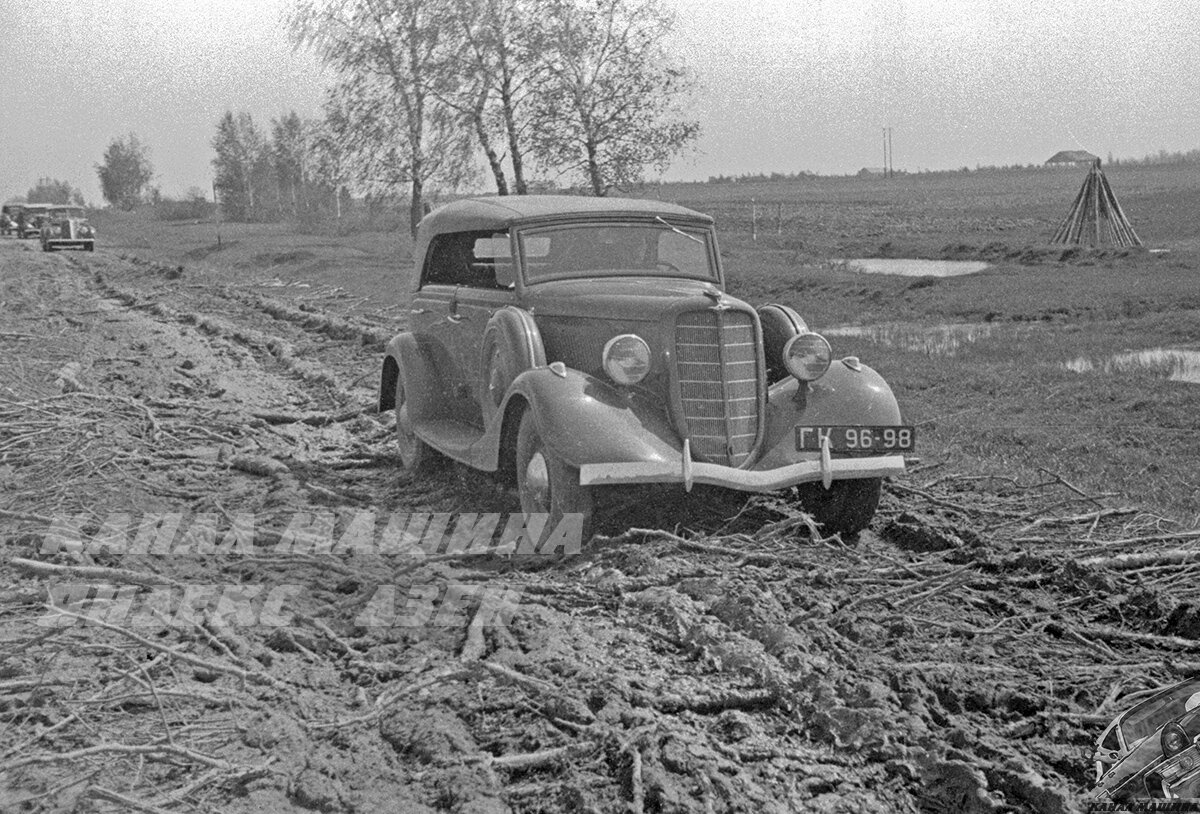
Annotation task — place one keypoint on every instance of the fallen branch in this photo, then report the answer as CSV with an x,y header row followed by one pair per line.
x,y
1112,634
1127,562
94,573
545,757
734,699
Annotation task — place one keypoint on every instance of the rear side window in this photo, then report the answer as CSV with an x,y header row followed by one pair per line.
x,y
471,259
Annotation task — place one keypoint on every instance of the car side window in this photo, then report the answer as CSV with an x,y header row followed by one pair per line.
x,y
1110,741
470,259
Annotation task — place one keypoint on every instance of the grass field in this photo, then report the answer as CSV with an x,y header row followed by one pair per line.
x,y
1002,404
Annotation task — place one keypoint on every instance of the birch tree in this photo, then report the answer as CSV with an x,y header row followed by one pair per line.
x,y
608,99
390,62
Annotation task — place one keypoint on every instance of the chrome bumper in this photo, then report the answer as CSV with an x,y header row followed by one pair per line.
x,y
687,472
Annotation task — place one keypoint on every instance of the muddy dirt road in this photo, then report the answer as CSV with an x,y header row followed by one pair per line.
x,y
220,593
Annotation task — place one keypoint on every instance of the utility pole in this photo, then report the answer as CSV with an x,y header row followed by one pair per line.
x,y
888,167
891,167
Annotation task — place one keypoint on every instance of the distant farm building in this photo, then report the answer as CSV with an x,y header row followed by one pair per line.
x,y
1071,158
866,171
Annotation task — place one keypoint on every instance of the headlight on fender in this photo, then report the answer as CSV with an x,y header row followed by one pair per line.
x,y
1173,739
626,359
807,356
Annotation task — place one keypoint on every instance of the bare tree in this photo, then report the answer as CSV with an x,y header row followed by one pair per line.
x,y
328,157
289,156
495,70
607,101
391,68
243,168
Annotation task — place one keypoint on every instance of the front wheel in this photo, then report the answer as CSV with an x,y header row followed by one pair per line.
x,y
547,484
846,507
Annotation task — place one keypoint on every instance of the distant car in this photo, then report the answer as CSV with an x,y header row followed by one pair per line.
x,y
1151,750
35,218
569,343
65,227
8,218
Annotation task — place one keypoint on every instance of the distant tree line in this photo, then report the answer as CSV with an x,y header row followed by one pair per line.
x,y
760,177
53,191
1160,157
426,92
287,172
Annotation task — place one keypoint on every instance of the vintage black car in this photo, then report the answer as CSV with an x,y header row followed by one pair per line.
x,y
1150,751
571,343
66,227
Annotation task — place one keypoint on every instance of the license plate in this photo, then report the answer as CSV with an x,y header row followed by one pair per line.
x,y
857,439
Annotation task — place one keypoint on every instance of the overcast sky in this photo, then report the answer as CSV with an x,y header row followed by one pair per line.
x,y
785,85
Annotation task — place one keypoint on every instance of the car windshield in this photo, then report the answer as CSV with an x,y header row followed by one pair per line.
x,y
613,250
1146,718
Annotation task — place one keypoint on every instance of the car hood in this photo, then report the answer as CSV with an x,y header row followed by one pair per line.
x,y
637,298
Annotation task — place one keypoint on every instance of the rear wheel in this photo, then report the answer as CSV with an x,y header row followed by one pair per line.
x,y
846,507
414,453
547,484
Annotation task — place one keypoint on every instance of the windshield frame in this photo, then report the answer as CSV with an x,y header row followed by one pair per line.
x,y
703,232
1172,700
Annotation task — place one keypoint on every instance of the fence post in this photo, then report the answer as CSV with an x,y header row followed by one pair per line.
x,y
753,219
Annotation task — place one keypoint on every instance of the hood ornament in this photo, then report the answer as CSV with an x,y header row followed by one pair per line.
x,y
714,294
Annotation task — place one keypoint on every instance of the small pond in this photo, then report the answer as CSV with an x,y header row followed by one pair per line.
x,y
1176,364
910,267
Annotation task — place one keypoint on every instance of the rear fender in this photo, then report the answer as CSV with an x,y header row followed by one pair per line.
x,y
511,345
421,382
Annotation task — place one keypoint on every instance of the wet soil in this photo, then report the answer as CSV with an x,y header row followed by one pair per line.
x,y
720,655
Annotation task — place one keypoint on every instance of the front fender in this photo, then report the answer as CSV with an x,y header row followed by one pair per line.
x,y
842,396
584,420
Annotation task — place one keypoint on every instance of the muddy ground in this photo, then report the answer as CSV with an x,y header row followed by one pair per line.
x,y
720,656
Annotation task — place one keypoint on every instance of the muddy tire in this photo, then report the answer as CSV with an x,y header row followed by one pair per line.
x,y
847,507
414,453
547,484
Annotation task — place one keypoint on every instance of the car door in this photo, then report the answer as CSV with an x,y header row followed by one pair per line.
x,y
459,292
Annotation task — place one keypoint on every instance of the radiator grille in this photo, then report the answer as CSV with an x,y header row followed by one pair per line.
x,y
716,358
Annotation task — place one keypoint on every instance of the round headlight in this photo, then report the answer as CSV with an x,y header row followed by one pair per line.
x,y
807,356
626,359
1174,739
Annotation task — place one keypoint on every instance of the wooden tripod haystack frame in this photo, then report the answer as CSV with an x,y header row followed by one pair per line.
x,y
1096,216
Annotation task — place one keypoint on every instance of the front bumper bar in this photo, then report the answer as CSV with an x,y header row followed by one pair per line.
x,y
688,472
